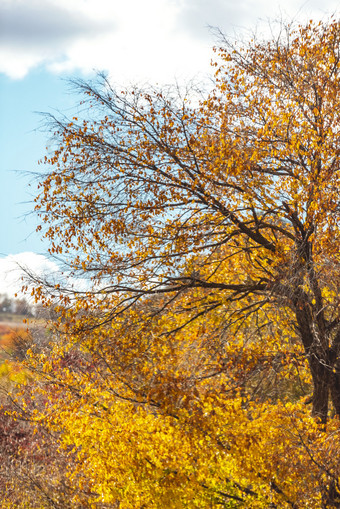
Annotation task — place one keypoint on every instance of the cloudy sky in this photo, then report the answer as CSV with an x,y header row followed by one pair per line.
x,y
44,42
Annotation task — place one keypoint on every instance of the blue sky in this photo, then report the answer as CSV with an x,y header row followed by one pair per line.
x,y
22,144
42,42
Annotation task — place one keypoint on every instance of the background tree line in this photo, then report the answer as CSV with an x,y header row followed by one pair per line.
x,y
17,306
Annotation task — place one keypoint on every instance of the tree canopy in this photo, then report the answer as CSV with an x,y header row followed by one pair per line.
x,y
207,228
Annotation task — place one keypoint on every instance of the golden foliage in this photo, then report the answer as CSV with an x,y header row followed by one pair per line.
x,y
206,242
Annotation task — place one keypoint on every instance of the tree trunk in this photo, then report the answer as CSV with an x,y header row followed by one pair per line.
x,y
321,381
335,388
317,352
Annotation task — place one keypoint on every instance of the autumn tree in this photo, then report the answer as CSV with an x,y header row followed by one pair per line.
x,y
152,186
204,232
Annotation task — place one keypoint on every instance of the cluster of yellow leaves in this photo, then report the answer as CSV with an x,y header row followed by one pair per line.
x,y
189,419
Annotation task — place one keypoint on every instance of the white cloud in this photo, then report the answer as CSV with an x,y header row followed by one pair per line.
x,y
17,271
33,32
12,270
149,40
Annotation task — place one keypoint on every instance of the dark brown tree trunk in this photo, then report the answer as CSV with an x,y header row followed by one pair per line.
x,y
335,372
317,352
335,388
321,375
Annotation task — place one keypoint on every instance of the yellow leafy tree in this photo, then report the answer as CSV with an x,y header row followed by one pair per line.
x,y
205,234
